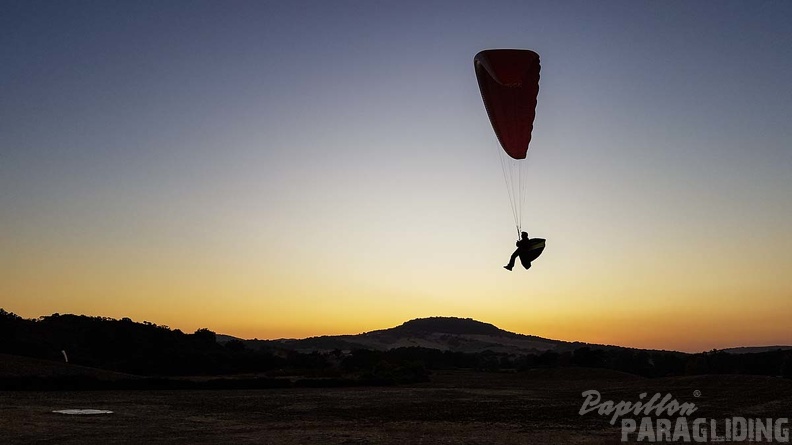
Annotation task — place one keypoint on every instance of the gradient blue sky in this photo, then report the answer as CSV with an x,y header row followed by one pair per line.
x,y
293,168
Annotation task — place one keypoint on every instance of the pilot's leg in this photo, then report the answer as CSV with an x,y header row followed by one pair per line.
x,y
511,261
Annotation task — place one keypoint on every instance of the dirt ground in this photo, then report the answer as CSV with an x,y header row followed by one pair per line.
x,y
458,407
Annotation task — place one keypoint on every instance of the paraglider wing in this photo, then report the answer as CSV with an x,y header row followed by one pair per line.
x,y
509,84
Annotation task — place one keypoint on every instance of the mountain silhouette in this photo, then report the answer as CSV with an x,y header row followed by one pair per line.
x,y
447,325
443,333
402,353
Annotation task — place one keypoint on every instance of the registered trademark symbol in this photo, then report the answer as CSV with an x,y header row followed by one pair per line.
x,y
697,393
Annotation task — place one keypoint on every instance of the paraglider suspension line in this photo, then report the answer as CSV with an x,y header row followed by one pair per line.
x,y
515,185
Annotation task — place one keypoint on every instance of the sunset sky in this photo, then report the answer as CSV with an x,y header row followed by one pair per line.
x,y
294,168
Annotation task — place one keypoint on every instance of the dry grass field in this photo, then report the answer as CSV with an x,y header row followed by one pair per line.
x,y
456,407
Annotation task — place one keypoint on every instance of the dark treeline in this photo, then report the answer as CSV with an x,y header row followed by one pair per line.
x,y
146,349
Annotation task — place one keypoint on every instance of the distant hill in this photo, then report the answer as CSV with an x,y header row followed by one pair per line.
x,y
404,353
755,349
442,333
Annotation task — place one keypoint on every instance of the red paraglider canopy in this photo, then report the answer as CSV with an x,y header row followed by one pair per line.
x,y
509,83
